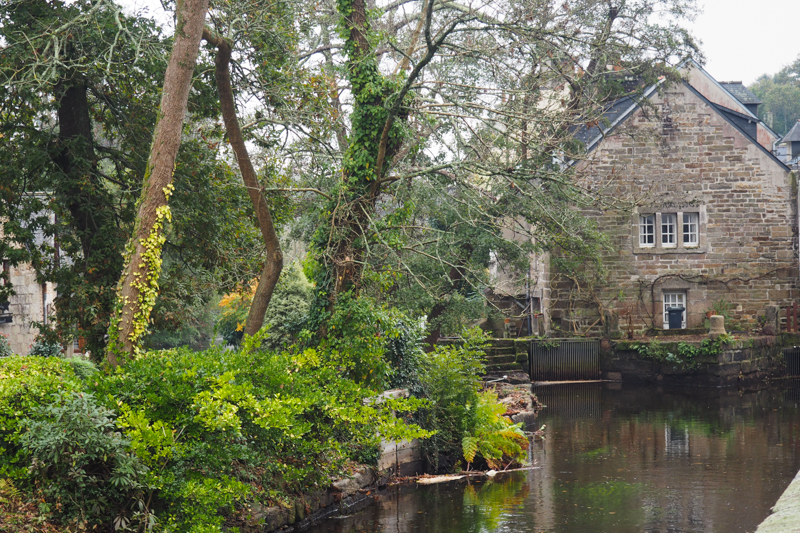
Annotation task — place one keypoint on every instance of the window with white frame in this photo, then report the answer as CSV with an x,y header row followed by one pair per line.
x,y
672,300
691,225
647,234
668,230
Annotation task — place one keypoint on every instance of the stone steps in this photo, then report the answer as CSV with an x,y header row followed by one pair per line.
x,y
502,367
500,351
499,359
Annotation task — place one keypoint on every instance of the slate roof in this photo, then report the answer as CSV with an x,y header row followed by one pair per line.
x,y
587,132
794,133
740,92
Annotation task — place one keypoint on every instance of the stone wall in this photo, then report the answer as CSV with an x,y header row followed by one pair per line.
x,y
743,363
682,156
27,305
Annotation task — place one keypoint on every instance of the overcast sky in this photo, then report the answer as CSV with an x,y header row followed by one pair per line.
x,y
742,39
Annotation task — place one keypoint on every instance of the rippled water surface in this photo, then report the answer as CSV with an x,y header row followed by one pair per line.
x,y
620,459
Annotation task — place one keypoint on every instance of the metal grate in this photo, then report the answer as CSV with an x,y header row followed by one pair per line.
x,y
565,360
792,358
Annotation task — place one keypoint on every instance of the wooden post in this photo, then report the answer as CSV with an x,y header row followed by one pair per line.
x,y
788,319
794,314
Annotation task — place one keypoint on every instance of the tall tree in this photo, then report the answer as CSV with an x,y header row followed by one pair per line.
x,y
57,209
780,94
273,262
473,104
138,287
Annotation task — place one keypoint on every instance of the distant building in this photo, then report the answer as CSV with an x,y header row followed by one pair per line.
x,y
788,148
32,302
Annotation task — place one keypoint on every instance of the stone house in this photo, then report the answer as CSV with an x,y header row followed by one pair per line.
x,y
32,303
705,216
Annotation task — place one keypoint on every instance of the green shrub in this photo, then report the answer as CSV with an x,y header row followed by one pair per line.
x,y
450,378
83,368
287,308
5,347
26,383
468,423
219,426
81,464
406,356
45,348
358,331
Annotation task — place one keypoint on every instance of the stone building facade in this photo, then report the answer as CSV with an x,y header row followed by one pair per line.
x,y
706,216
32,303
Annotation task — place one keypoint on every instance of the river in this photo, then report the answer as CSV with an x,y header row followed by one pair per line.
x,y
619,458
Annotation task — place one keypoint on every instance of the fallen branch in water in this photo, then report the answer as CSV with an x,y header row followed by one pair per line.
x,y
426,479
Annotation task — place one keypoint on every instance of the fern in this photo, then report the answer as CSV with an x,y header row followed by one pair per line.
x,y
8,492
494,437
470,447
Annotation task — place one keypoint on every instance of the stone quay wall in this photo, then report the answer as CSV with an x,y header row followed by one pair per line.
x,y
743,363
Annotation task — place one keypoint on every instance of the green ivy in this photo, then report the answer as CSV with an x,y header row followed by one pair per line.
x,y
681,354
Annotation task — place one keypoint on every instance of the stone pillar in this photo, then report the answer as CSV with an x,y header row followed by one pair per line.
x,y
717,326
771,320
611,326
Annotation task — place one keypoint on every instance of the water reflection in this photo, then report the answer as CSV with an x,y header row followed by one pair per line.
x,y
621,459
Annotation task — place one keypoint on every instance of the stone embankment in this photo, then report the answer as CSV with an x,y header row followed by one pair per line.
x,y
745,362
344,494
785,516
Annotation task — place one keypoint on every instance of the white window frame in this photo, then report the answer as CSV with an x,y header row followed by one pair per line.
x,y
674,299
669,230
647,229
690,229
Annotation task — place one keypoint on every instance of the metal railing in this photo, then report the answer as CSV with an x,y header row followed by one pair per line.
x,y
564,359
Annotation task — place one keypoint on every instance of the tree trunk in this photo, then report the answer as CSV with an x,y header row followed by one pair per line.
x,y
138,286
93,218
274,261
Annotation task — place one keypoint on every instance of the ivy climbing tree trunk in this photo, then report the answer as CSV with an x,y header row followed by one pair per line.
x,y
380,111
138,287
274,260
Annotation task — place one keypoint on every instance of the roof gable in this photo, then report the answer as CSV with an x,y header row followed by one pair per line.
x,y
794,133
620,110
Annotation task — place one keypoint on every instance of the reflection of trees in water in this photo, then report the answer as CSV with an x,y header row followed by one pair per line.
x,y
486,504
660,461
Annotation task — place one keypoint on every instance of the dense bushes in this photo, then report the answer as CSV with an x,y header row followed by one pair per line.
x,y
81,464
26,383
175,437
468,423
213,427
177,440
